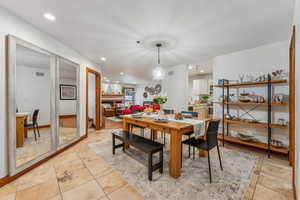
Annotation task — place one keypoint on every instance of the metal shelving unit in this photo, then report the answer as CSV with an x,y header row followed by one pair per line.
x,y
129,96
225,122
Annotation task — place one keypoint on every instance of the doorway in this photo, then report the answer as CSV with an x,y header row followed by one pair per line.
x,y
292,103
93,100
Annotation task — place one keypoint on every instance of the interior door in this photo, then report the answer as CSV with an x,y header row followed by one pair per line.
x,y
292,100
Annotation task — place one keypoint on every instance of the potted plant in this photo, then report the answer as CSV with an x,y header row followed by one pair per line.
x,y
204,98
160,99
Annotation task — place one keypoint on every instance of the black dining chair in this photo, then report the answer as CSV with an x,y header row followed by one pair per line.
x,y
207,144
168,111
34,124
147,103
193,114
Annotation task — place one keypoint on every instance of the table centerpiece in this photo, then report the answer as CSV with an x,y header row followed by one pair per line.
x,y
160,100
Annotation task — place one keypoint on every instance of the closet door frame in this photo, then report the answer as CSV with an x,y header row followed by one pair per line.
x,y
58,58
11,46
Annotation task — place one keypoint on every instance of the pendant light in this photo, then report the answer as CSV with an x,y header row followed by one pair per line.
x,y
158,72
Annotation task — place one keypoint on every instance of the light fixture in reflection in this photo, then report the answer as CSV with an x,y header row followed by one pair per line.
x,y
122,73
103,59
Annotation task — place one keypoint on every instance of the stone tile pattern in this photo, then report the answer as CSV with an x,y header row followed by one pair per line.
x,y
32,149
80,173
231,183
76,174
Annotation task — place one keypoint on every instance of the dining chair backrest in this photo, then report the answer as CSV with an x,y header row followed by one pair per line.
x,y
147,103
194,114
35,116
168,111
212,133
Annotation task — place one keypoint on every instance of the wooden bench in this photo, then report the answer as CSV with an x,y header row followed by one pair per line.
x,y
143,144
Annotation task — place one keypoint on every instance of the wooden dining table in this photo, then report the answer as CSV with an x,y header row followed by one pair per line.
x,y
174,128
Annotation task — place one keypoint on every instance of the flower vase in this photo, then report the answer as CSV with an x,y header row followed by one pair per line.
x,y
161,111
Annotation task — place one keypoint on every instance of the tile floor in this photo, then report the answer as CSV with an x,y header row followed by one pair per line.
x,y
33,149
272,178
78,173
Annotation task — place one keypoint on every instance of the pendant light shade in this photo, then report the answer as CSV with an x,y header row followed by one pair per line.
x,y
158,72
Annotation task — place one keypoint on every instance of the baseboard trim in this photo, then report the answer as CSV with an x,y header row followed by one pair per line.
x,y
41,127
7,179
67,116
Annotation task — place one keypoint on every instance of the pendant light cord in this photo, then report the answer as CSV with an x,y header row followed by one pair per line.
x,y
158,53
158,56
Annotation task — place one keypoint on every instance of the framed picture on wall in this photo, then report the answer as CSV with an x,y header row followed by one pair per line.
x,y
68,92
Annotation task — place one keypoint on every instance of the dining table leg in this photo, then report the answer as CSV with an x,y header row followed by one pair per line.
x,y
154,134
126,127
175,154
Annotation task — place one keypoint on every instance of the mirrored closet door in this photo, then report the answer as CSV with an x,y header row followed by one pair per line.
x,y
68,101
33,109
31,125
43,103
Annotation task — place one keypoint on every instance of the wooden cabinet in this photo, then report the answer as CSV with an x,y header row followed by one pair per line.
x,y
21,130
202,110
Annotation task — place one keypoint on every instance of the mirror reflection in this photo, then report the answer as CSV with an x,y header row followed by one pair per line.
x,y
68,99
32,92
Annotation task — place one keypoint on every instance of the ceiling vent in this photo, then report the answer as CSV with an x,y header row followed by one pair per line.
x,y
39,74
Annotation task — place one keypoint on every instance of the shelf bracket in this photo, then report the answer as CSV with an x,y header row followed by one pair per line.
x,y
247,112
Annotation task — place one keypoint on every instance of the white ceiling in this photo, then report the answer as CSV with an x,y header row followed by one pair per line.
x,y
29,58
195,30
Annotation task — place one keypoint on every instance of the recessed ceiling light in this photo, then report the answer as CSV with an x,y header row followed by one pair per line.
x,y
103,59
201,71
190,67
121,73
49,16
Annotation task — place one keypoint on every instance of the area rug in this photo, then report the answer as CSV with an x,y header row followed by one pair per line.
x,y
115,119
231,183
